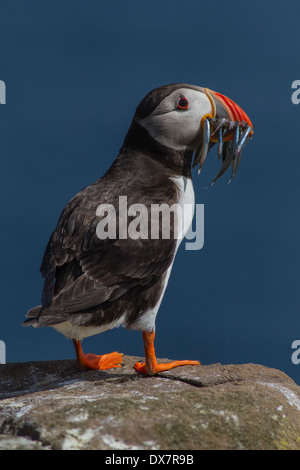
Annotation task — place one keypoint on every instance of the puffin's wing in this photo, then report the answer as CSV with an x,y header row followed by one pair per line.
x,y
108,273
82,271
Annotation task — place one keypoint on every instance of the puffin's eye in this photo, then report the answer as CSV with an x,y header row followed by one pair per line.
x,y
183,103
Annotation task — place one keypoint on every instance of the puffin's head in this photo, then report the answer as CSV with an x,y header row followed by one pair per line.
x,y
181,117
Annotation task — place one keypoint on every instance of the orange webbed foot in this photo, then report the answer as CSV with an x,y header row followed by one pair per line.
x,y
154,368
103,362
95,362
151,366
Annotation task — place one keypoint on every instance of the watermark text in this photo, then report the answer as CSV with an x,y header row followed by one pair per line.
x,y
2,352
2,92
296,94
296,354
157,221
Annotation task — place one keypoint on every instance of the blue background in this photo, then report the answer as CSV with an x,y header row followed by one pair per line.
x,y
75,72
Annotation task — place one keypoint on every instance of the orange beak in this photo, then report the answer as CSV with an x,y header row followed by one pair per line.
x,y
224,107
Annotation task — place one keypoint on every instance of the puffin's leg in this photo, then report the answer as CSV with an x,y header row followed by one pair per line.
x,y
92,361
151,366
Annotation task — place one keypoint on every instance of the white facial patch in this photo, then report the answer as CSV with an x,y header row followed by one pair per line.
x,y
177,128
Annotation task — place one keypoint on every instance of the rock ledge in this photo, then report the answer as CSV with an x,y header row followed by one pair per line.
x,y
53,405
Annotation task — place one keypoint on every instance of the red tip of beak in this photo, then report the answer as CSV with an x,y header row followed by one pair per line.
x,y
235,113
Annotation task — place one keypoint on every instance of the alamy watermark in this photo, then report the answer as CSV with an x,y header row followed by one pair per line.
x,y
2,352
296,94
157,221
2,92
296,354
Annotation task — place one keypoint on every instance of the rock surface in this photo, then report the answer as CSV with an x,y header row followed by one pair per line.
x,y
53,405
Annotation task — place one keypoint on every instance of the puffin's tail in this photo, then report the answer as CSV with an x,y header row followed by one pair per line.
x,y
33,316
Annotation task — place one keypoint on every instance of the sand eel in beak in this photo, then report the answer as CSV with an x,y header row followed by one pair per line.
x,y
94,281
231,132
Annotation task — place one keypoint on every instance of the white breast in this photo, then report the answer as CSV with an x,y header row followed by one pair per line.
x,y
186,201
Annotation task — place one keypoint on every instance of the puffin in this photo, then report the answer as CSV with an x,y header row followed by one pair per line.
x,y
98,277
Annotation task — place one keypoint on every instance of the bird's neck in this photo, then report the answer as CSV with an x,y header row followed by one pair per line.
x,y
178,162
